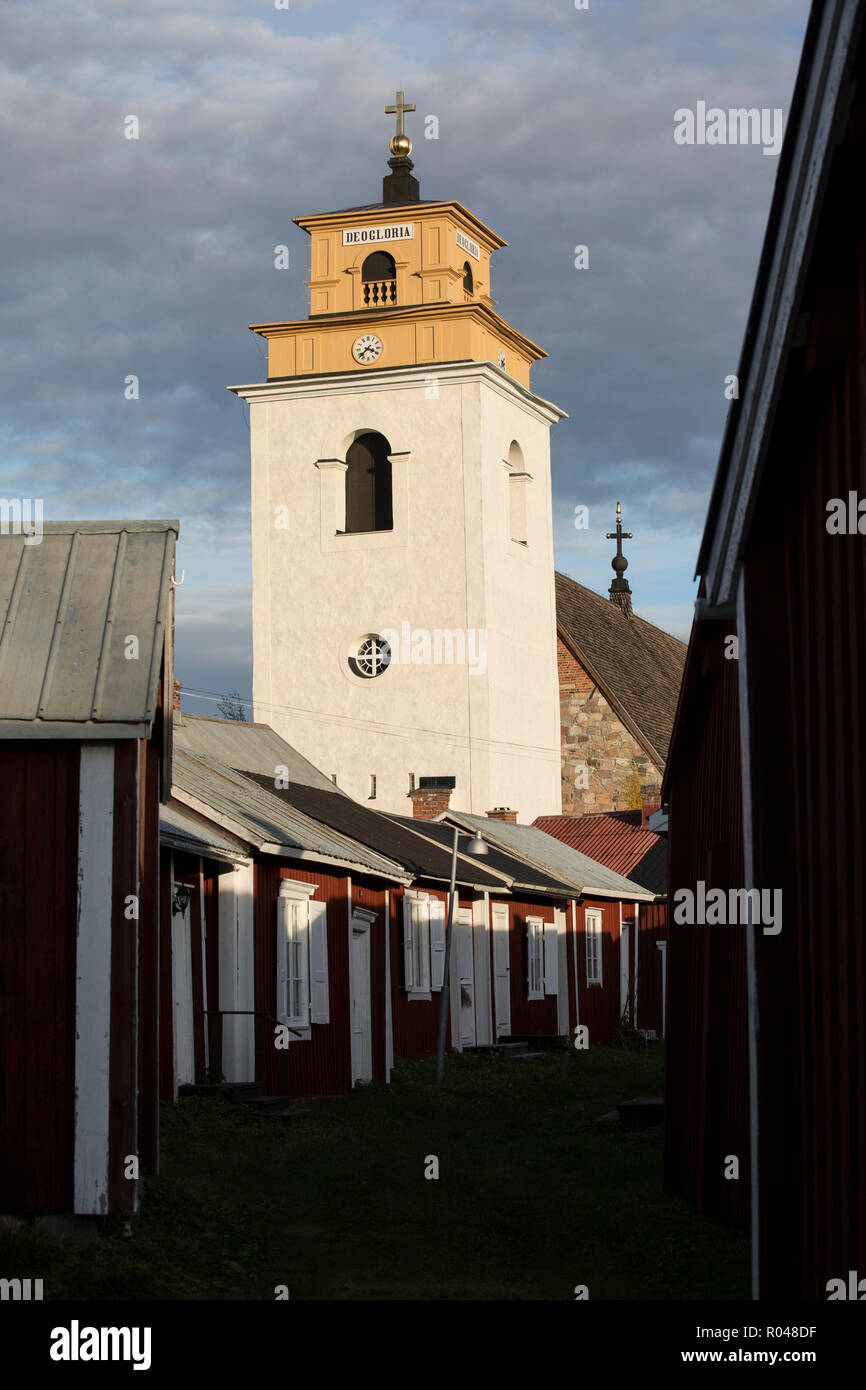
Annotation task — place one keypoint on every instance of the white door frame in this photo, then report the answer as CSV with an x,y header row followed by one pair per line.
x,y
183,1024
465,1032
501,929
361,996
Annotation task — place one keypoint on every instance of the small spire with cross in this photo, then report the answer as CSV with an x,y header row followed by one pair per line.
x,y
619,591
399,187
400,143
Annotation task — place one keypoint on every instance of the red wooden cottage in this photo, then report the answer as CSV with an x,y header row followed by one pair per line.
x,y
275,924
414,903
85,672
557,965
625,842
766,1049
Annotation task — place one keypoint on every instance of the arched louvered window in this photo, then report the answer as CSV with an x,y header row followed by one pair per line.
x,y
368,484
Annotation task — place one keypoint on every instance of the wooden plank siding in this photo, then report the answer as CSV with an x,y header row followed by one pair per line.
x,y
706,1057
805,597
652,928
599,1005
415,1021
320,1065
38,894
530,1018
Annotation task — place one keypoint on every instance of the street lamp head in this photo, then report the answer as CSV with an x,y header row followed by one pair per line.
x,y
476,845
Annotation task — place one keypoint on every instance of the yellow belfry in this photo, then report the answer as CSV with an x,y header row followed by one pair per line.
x,y
401,282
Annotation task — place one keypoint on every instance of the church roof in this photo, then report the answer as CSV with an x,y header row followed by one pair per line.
x,y
616,839
636,665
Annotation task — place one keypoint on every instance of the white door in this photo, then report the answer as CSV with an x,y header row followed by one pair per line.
x,y
362,1041
501,971
181,973
465,977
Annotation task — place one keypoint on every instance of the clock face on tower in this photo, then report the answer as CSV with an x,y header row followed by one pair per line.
x,y
367,348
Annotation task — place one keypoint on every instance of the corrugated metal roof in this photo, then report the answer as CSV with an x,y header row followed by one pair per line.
x,y
419,855
565,863
70,603
189,834
616,840
520,874
262,817
248,747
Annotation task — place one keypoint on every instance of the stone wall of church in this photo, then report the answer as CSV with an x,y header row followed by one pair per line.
x,y
603,766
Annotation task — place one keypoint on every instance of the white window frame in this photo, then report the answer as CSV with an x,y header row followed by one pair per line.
x,y
535,957
416,945
593,934
294,901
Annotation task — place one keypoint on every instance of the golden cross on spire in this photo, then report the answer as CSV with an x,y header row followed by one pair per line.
x,y
399,111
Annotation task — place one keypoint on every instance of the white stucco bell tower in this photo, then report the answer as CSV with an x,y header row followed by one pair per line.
x,y
403,583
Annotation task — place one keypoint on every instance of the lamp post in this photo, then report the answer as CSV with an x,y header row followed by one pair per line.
x,y
476,846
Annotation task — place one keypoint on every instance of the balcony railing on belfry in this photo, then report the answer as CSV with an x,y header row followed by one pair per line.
x,y
380,291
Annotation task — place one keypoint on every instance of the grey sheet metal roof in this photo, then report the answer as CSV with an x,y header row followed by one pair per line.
x,y
519,873
264,820
189,833
70,602
249,747
556,858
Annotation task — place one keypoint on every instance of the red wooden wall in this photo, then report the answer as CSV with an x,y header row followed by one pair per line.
x,y
706,1055
531,1018
38,894
320,1066
415,1021
599,1005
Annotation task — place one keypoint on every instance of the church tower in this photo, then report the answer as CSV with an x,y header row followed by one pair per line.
x,y
404,622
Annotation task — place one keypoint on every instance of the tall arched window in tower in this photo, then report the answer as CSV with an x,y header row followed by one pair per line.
x,y
379,278
517,480
468,282
368,484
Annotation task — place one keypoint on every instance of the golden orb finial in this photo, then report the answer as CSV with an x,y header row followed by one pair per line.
x,y
400,146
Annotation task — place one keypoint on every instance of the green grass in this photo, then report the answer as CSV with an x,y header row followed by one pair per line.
x,y
532,1199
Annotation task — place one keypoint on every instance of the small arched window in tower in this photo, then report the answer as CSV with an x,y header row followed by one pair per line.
x,y
517,498
368,484
468,281
379,279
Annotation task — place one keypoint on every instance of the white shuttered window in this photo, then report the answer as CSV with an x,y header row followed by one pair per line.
x,y
302,957
535,957
416,945
593,946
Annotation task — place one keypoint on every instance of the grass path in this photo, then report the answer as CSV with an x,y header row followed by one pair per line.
x,y
531,1198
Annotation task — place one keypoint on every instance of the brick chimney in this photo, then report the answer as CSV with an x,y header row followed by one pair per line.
x,y
432,796
651,800
175,703
503,813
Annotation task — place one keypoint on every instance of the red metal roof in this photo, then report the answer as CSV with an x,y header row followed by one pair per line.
x,y
614,839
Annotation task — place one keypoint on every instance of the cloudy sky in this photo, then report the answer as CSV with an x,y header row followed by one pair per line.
x,y
150,256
